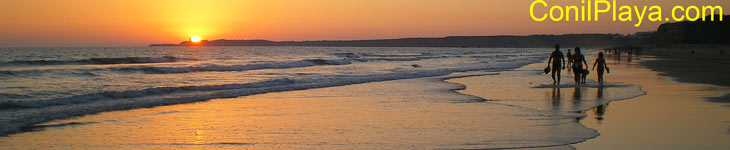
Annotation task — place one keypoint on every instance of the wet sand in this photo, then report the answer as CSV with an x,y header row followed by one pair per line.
x,y
672,115
714,70
709,65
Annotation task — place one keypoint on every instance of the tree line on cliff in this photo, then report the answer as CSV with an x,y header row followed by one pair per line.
x,y
687,32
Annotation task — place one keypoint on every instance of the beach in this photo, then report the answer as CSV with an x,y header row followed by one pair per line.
x,y
401,114
707,65
671,115
674,114
480,109
382,98
375,74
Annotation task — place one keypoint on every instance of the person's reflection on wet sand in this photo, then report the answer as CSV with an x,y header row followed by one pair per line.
x,y
599,93
629,58
600,110
577,99
556,96
576,94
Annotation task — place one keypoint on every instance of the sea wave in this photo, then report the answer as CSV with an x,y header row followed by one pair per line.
x,y
170,70
12,96
130,94
96,61
8,74
367,57
210,68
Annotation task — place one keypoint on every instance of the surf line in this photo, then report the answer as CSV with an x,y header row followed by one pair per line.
x,y
589,11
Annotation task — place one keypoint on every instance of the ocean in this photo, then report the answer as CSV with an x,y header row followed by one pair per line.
x,y
43,84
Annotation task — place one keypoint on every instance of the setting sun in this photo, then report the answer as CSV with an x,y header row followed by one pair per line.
x,y
195,39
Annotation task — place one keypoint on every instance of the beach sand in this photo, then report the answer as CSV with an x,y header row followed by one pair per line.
x,y
709,65
706,66
672,115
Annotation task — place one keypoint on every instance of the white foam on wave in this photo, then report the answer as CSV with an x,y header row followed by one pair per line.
x,y
273,65
124,60
366,57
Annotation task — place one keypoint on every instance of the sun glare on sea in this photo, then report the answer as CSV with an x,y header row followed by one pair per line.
x,y
195,39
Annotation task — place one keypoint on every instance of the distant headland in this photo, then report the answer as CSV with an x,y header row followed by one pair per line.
x,y
451,41
699,32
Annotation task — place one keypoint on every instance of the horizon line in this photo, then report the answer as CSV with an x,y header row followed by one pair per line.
x,y
145,45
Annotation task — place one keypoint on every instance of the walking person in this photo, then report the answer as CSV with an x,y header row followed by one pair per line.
x,y
556,64
601,66
578,61
570,58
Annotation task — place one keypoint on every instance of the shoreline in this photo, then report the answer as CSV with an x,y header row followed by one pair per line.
x,y
572,103
514,108
615,123
354,117
714,70
417,113
674,114
685,69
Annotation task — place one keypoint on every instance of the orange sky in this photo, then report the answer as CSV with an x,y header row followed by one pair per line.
x,y
141,22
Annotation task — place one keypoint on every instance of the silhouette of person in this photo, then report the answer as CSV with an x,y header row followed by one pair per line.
x,y
584,75
570,58
629,59
578,61
556,64
601,66
630,52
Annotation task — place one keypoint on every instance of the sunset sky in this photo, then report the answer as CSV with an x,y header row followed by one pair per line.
x,y
141,22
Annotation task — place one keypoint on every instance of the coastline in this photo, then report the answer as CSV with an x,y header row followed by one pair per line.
x,y
685,119
684,68
530,89
702,69
673,114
